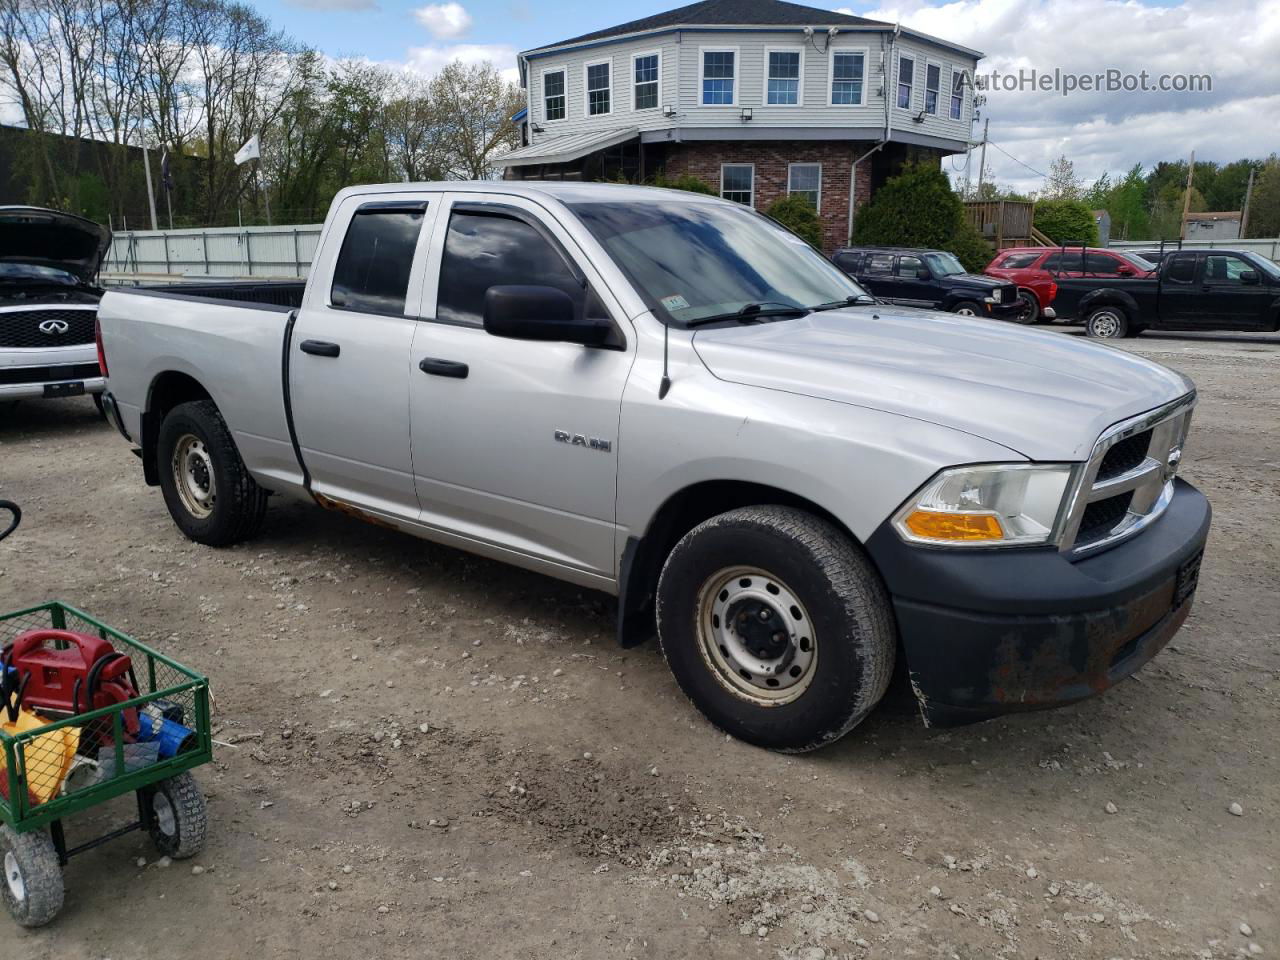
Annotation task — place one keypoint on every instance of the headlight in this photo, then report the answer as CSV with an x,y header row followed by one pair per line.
x,y
998,505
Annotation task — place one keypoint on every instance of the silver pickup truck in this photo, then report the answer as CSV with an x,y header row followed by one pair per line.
x,y
670,398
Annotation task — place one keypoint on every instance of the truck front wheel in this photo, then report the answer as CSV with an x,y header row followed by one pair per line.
x,y
209,493
776,626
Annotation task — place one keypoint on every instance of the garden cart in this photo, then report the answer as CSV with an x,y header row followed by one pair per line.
x,y
56,762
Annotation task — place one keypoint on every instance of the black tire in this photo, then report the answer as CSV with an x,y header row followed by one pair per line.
x,y
1107,323
842,611
32,882
1031,311
968,308
195,445
176,817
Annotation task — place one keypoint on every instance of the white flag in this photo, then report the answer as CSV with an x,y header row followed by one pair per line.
x,y
249,151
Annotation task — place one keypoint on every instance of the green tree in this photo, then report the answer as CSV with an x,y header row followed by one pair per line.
x,y
797,214
686,181
1066,221
1264,205
1062,182
918,208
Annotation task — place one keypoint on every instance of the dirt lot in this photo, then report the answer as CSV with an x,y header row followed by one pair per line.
x,y
435,755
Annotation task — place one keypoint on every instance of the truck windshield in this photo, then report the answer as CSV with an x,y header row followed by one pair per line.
x,y
694,259
944,264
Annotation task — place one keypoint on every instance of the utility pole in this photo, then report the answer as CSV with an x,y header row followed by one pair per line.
x,y
1186,199
266,192
1244,213
146,166
982,156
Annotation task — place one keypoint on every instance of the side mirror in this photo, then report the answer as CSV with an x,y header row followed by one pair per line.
x,y
1250,276
922,273
523,312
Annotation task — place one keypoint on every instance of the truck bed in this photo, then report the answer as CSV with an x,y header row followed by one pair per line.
x,y
282,294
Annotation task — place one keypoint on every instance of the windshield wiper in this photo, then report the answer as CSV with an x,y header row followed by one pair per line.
x,y
855,300
749,312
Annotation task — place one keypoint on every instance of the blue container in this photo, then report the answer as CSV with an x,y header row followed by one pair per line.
x,y
173,738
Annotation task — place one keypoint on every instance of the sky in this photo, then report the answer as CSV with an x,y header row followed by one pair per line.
x,y
1236,42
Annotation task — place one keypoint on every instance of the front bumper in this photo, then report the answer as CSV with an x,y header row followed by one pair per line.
x,y
988,632
49,372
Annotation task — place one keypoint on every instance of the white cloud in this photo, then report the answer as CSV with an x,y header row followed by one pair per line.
x,y
445,20
429,60
1109,132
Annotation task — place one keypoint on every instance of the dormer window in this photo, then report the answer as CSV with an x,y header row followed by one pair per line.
x,y
906,80
719,77
553,94
782,82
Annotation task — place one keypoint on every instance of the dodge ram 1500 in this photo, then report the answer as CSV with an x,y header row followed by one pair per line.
x,y
670,398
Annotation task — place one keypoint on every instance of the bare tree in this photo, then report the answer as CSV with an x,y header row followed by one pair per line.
x,y
475,108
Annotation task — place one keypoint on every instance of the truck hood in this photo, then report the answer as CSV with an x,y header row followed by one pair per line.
x,y
37,237
1043,395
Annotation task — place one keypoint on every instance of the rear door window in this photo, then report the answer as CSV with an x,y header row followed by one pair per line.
x,y
879,263
1015,261
1181,268
372,271
1101,263
849,262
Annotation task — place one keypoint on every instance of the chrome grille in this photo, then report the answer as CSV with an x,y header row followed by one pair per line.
x,y
1128,481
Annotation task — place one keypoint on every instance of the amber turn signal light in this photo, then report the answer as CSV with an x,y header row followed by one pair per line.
x,y
933,525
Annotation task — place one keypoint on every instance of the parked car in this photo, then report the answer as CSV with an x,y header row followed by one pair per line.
x,y
1036,271
1193,290
668,397
933,279
49,264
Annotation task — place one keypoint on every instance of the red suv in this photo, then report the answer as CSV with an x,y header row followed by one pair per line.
x,y
1034,270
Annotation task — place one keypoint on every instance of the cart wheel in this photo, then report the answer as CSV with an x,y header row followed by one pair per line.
x,y
32,886
176,816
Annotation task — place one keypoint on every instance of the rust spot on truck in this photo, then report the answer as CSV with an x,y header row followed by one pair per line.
x,y
341,506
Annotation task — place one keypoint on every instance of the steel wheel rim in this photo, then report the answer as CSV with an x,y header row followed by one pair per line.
x,y
1106,325
193,476
966,312
756,636
13,877
162,811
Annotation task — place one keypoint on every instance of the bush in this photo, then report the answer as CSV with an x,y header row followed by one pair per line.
x,y
686,181
918,208
796,213
1066,221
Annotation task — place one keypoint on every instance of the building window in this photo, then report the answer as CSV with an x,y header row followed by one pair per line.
x,y
782,82
957,93
848,70
932,84
599,80
906,77
719,72
553,95
806,180
644,67
737,183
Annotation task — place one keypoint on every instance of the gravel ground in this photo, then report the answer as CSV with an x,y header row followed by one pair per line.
x,y
435,755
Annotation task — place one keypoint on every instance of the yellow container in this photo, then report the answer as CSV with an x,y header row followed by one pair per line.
x,y
46,757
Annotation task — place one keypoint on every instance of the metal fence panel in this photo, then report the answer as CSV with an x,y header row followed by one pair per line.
x,y
284,251
1267,248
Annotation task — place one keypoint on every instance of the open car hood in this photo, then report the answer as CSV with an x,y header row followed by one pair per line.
x,y
48,238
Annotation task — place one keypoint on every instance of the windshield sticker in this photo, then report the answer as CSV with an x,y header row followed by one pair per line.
x,y
675,302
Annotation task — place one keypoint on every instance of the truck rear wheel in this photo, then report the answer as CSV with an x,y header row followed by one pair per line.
x,y
776,626
206,487
1107,323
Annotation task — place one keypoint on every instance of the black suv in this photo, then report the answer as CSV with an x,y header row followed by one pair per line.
x,y
933,279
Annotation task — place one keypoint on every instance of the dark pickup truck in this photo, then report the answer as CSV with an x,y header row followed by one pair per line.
x,y
1193,290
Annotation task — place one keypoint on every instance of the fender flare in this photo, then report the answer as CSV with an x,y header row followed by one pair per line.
x,y
1104,297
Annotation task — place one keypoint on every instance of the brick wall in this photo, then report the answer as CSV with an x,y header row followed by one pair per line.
x,y
703,161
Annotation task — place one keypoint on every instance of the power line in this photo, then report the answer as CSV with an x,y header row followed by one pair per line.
x,y
1016,160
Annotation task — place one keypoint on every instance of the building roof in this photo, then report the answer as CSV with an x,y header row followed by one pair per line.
x,y
566,148
1222,215
731,12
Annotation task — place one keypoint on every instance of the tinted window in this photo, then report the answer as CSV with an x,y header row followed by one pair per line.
x,y
372,272
1224,269
1181,268
483,250
879,263
1013,261
849,261
909,267
1101,263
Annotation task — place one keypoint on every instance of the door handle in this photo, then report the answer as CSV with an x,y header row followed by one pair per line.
x,y
320,348
444,368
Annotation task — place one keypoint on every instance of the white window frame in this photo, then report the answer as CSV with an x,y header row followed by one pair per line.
x,y
634,57
542,92
737,80
924,103
790,167
897,80
586,91
749,166
956,72
831,75
764,93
